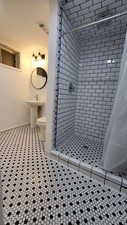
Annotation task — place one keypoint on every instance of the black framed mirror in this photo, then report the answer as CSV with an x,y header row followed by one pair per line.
x,y
39,78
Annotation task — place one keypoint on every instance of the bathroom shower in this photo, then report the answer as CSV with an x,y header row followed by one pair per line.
x,y
91,44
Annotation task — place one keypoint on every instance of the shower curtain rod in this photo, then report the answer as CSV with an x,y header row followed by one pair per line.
x,y
96,22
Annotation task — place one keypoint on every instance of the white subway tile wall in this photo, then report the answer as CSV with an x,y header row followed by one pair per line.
x,y
90,59
97,84
67,74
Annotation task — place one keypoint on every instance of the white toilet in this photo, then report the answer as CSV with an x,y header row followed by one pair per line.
x,y
42,123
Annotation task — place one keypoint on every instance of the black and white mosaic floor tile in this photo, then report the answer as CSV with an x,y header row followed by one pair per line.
x,y
83,149
37,190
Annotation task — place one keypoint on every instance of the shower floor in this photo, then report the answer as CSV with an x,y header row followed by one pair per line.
x,y
84,150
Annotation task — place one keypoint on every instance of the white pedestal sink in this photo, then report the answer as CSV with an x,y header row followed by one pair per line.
x,y
33,104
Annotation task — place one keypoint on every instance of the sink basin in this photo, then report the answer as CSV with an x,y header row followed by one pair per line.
x,y
34,103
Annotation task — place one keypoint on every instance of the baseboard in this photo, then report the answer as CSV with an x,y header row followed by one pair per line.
x,y
13,127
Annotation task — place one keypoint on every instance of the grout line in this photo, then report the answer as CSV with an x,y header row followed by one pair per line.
x,y
121,184
91,172
105,177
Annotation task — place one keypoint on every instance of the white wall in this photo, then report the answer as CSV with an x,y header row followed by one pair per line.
x,y
13,92
20,31
15,89
51,71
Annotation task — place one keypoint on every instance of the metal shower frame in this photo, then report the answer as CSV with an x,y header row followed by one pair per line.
x,y
95,23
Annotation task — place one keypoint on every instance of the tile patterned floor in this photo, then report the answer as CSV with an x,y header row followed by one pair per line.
x,y
37,190
84,150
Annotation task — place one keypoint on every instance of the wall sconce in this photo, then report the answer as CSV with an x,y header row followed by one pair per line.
x,y
38,59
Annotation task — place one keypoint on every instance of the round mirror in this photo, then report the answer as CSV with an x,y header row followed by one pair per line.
x,y
39,78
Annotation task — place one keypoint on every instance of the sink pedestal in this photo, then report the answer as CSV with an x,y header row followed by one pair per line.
x,y
34,111
33,116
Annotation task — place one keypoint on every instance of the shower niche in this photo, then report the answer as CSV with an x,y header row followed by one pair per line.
x,y
89,57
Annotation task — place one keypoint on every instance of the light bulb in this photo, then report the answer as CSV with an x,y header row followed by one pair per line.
x,y
33,57
39,56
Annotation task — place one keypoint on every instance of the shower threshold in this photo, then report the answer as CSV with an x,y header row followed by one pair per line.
x,y
87,156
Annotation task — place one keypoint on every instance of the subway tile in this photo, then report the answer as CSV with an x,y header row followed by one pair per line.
x,y
124,182
112,184
114,178
124,190
98,178
98,171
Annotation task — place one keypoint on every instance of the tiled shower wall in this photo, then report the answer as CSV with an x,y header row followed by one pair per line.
x,y
68,64
83,61
97,84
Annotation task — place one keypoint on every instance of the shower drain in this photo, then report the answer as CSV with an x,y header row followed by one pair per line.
x,y
85,146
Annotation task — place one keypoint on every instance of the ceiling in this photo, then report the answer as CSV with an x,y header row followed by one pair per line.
x,y
19,23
